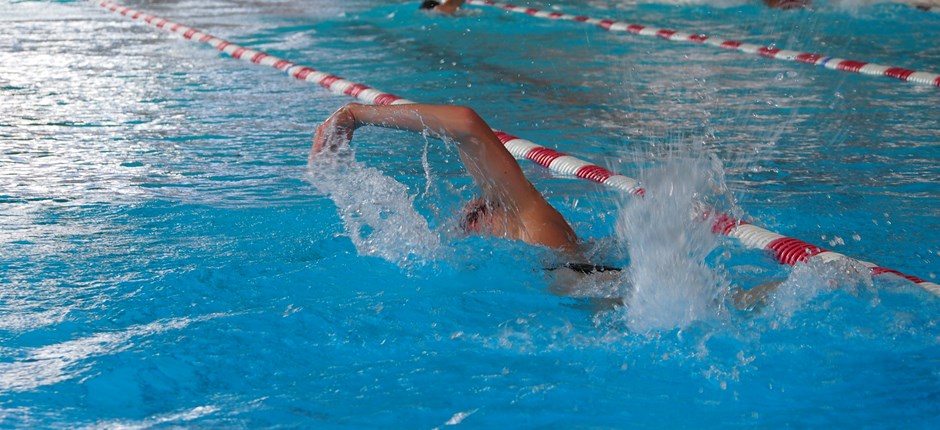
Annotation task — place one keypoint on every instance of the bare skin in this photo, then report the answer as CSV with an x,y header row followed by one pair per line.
x,y
516,209
787,4
449,6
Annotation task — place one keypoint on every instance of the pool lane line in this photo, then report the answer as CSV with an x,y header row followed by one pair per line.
x,y
784,249
520,148
829,62
789,251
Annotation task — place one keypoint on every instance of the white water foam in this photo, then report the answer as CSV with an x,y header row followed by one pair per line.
x,y
808,280
669,240
378,212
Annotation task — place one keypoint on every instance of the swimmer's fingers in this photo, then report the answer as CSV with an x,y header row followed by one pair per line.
x,y
330,138
335,132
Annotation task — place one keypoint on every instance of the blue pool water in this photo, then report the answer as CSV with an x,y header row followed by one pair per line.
x,y
167,260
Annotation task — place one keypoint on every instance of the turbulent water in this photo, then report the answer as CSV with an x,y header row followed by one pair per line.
x,y
669,237
169,258
377,211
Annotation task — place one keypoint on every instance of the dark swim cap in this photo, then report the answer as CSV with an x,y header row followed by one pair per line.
x,y
429,4
474,213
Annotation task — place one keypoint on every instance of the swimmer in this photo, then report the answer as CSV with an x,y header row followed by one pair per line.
x,y
446,7
787,4
509,207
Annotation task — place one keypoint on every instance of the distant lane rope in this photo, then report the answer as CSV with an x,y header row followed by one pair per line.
x,y
785,250
519,148
926,78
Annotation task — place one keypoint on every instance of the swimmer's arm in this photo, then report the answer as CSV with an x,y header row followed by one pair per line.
x,y
486,159
748,300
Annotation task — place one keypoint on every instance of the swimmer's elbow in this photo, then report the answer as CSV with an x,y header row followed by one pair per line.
x,y
464,122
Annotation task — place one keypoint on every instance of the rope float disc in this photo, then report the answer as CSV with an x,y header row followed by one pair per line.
x,y
829,62
785,250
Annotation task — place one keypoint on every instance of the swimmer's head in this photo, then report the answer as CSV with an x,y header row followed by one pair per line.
x,y
475,216
429,4
481,216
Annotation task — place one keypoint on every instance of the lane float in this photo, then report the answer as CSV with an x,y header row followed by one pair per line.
x,y
829,62
785,250
520,148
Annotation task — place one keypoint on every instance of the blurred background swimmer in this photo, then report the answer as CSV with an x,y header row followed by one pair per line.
x,y
445,6
788,4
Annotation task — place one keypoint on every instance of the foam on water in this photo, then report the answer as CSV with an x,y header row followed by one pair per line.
x,y
672,282
377,211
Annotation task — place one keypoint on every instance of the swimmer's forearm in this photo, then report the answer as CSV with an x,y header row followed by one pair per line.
x,y
440,121
489,162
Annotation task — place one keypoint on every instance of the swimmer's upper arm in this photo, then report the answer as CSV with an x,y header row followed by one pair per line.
x,y
489,162
501,179
486,158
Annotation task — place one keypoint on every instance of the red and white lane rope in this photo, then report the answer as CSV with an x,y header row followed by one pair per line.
x,y
333,83
926,78
790,251
519,148
785,250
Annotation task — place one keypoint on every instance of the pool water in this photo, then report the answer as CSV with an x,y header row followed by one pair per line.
x,y
168,258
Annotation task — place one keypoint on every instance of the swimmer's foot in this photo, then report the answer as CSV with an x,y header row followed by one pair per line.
x,y
755,298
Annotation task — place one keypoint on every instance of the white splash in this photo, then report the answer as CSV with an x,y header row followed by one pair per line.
x,y
812,278
377,211
672,284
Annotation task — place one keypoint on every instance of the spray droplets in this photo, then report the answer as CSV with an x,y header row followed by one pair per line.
x,y
672,283
378,212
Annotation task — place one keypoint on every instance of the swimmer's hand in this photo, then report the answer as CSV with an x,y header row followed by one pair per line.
x,y
336,132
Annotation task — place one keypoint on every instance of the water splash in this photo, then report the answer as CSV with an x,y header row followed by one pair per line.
x,y
809,280
378,212
672,282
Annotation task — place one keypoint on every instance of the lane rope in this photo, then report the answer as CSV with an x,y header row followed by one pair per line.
x,y
520,148
829,62
784,249
787,250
